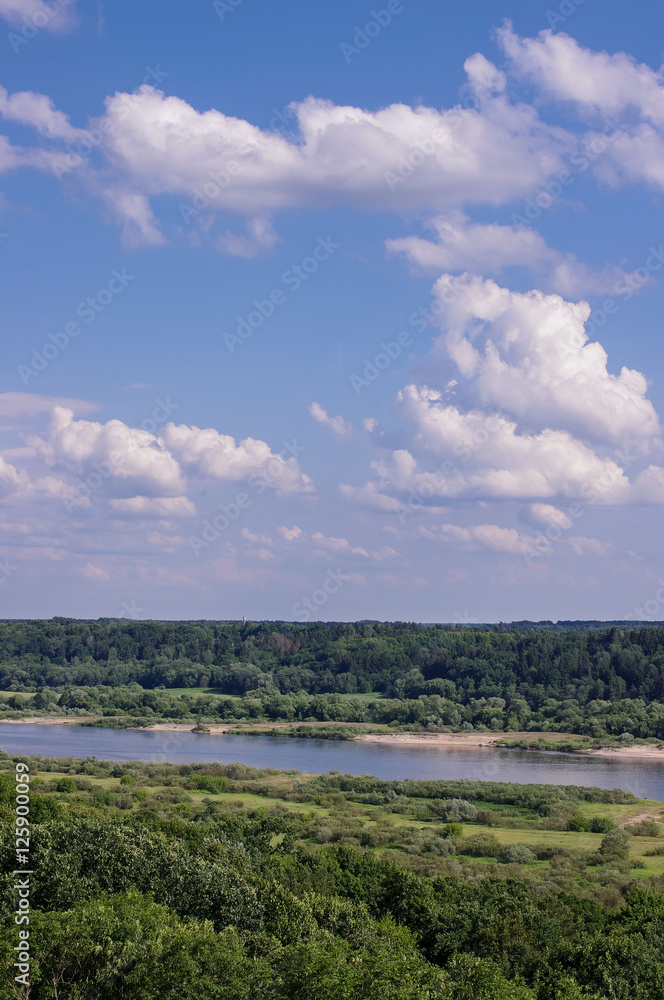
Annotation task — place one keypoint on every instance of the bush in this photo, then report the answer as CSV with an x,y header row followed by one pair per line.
x,y
484,845
646,828
66,784
443,847
518,854
127,779
209,783
578,823
601,824
452,830
615,844
453,810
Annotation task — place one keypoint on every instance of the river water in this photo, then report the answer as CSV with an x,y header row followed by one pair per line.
x,y
643,778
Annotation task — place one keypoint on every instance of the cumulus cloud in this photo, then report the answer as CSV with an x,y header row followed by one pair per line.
x,y
582,546
340,428
595,81
544,513
488,537
207,452
599,85
398,158
522,467
37,110
543,417
289,534
530,354
147,474
129,459
154,506
10,478
490,248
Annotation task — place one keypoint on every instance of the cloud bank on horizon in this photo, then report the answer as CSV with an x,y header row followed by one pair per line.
x,y
513,431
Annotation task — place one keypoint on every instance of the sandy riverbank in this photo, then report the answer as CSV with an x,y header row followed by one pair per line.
x,y
178,727
461,740
652,752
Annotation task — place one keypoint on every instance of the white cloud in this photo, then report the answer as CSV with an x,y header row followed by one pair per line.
x,y
490,248
10,478
599,85
338,545
529,354
251,536
489,537
370,496
544,513
340,428
37,110
55,17
142,474
325,545
398,158
488,458
130,459
539,416
595,81
261,237
132,211
290,534
207,452
582,546
154,506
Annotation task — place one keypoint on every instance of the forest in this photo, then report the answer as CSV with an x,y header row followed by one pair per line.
x,y
156,881
601,682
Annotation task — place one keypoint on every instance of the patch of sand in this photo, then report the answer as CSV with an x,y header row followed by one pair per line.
x,y
444,739
648,752
460,740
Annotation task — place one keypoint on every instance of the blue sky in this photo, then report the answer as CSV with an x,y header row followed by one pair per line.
x,y
443,233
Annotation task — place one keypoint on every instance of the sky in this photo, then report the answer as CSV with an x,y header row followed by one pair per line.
x,y
331,311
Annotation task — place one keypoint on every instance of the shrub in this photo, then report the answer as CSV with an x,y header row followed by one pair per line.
x,y
209,783
601,824
518,854
615,844
453,810
646,828
484,845
66,784
127,779
452,830
578,823
443,847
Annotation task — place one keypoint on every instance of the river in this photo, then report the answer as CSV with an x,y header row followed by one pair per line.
x,y
643,778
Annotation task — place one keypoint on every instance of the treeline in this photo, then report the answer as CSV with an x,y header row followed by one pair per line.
x,y
401,659
133,705
596,683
